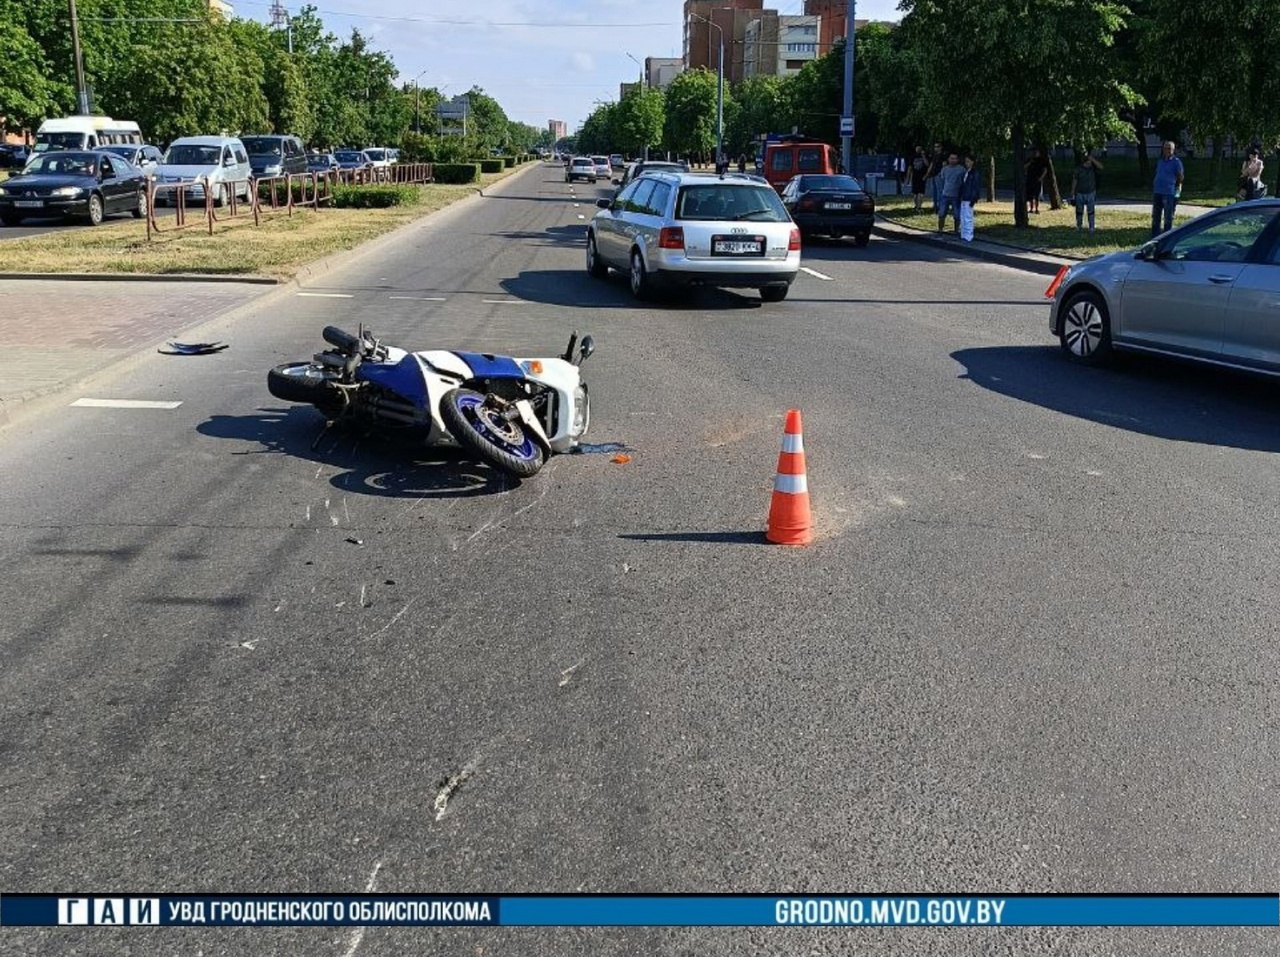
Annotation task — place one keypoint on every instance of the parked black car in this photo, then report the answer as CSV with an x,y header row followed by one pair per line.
x,y
353,159
832,205
12,155
275,155
74,183
322,163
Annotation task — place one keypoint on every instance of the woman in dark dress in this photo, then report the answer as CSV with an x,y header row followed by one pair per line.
x,y
919,169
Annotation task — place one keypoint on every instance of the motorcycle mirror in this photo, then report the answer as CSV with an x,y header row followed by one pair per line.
x,y
588,347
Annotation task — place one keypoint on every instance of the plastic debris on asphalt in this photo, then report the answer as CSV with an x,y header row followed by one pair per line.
x,y
192,348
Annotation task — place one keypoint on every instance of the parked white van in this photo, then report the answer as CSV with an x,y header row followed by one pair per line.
x,y
85,133
219,161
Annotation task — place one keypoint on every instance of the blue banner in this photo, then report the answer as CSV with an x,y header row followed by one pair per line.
x,y
633,910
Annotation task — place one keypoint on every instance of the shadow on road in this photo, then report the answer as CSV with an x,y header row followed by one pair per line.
x,y
1164,399
373,463
573,287
711,538
551,236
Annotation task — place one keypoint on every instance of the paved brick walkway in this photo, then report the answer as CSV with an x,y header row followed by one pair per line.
x,y
65,330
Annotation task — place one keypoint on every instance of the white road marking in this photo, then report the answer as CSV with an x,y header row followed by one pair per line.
x,y
326,295
357,935
580,216
420,298
508,302
816,274
123,404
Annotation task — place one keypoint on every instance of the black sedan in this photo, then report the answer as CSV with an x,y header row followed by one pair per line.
x,y
353,159
830,205
322,163
74,183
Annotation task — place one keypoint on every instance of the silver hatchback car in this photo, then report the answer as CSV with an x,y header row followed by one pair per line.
x,y
1208,291
675,230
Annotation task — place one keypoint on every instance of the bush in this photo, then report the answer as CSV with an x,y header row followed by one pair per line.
x,y
374,197
456,172
491,166
510,161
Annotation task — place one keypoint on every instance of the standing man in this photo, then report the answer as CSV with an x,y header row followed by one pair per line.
x,y
936,165
899,170
1166,189
949,181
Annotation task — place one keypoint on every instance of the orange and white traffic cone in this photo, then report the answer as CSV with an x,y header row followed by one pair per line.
x,y
790,522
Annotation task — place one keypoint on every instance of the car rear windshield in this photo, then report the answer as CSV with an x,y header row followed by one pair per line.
x,y
187,154
717,201
583,162
830,182
345,157
374,154
261,145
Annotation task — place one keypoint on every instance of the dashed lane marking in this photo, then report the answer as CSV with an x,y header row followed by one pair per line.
x,y
505,302
816,274
421,298
123,404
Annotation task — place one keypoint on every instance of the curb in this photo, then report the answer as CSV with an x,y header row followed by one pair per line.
x,y
138,277
1014,257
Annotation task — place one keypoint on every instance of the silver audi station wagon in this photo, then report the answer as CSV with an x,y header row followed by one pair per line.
x,y
670,230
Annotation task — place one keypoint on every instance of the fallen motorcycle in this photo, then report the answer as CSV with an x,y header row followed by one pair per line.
x,y
512,413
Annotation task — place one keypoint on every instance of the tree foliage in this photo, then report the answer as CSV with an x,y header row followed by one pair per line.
x,y
690,123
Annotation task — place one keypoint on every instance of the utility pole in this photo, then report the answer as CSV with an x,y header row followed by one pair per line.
x,y
82,94
846,118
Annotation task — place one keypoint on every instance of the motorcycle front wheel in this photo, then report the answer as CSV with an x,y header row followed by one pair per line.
x,y
306,382
502,444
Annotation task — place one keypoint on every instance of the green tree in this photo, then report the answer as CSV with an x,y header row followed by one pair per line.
x,y
1213,64
816,96
690,124
763,107
994,74
638,120
25,94
596,133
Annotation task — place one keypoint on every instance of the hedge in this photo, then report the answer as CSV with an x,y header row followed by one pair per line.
x,y
491,165
510,161
455,173
375,197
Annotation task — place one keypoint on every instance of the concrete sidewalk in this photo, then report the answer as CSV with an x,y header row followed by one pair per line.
x,y
61,332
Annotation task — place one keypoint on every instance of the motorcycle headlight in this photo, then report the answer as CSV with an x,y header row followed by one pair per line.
x,y
67,191
581,410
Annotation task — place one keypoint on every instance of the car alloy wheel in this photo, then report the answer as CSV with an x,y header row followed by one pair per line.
x,y
1086,328
95,210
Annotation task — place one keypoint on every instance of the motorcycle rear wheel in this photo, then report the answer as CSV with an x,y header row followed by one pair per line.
x,y
504,445
306,382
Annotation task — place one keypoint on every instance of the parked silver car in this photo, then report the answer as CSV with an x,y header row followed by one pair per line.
x,y
1205,291
673,230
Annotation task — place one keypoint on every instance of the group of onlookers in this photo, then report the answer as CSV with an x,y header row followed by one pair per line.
x,y
954,184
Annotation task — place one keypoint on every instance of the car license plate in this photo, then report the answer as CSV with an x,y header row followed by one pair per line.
x,y
726,246
28,203
839,205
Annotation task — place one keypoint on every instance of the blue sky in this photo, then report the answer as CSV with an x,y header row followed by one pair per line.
x,y
540,59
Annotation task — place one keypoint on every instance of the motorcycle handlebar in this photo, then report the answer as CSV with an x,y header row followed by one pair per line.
x,y
343,340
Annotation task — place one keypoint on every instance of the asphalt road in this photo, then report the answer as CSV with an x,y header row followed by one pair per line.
x,y
39,225
1032,649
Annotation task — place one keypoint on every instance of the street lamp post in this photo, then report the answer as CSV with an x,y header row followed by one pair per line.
x,y
417,104
645,154
719,91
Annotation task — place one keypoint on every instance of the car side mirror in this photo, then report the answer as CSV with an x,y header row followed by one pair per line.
x,y
1149,252
588,347
604,203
